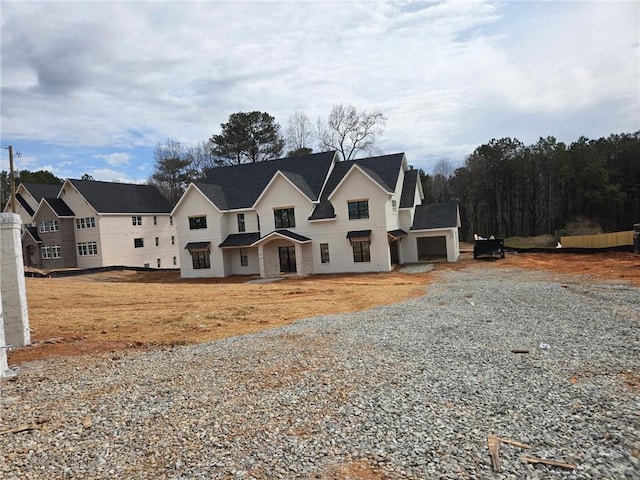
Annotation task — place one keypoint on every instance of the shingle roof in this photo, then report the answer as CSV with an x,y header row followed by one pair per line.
x,y
198,246
41,190
384,170
24,204
359,234
435,215
239,186
289,234
60,208
397,233
240,239
409,189
33,231
111,197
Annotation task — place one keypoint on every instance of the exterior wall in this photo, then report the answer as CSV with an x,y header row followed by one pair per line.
x,y
281,194
65,237
232,262
15,315
117,234
31,252
356,187
194,204
82,209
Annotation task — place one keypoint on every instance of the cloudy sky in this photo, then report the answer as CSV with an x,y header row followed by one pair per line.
x,y
92,87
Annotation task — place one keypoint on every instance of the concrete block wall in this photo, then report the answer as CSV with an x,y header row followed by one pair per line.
x,y
15,316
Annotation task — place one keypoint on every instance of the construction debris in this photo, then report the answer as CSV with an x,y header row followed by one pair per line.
x,y
530,459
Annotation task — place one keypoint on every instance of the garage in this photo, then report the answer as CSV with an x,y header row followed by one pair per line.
x,y
432,248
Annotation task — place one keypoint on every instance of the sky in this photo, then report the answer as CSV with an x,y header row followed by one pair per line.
x,y
93,87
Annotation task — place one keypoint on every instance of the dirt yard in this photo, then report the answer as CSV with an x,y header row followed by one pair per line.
x,y
116,311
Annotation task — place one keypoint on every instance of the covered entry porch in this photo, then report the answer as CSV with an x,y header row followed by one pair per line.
x,y
283,252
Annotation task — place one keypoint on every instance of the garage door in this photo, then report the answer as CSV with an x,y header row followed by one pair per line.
x,y
430,248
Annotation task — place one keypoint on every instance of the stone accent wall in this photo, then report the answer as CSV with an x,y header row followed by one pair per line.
x,y
15,317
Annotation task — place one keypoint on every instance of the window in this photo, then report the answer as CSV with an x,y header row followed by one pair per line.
x,y
87,248
158,262
359,209
171,221
324,252
136,221
175,261
201,259
155,220
241,226
258,218
138,242
46,251
284,218
56,251
244,257
173,240
361,251
197,222
157,241
87,222
48,226
394,206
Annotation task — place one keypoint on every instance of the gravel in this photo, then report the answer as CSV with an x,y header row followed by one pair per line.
x,y
409,390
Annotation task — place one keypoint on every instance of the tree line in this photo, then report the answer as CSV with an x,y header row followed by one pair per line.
x,y
506,188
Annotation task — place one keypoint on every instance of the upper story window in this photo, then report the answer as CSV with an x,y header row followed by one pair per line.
x,y
241,225
138,242
87,222
155,220
358,209
136,221
171,221
197,222
284,218
48,226
394,206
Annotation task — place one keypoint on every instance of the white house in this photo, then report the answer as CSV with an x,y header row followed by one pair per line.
x,y
28,196
311,214
120,224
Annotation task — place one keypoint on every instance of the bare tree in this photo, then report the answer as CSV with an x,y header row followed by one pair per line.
x,y
299,134
350,132
173,171
441,184
202,158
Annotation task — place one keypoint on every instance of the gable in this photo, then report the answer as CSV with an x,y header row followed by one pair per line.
x,y
281,190
240,186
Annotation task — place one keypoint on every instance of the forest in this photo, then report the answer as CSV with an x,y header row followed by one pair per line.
x,y
506,188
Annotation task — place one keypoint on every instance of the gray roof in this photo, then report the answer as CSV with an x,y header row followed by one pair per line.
x,y
239,186
240,239
435,215
359,234
60,208
397,233
198,246
33,231
384,170
24,204
289,234
41,190
112,197
409,189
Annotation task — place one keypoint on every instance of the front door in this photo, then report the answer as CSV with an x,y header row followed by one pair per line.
x,y
287,259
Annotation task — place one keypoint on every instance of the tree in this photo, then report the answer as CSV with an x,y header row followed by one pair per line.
x,y
5,187
299,134
248,137
442,173
173,169
350,132
41,176
87,177
202,159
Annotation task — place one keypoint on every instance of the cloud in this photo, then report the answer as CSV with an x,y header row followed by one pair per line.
x,y
115,159
118,76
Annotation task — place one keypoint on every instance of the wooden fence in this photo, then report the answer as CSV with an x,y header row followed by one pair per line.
x,y
605,240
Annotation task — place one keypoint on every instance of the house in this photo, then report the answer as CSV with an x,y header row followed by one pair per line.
x,y
50,244
28,196
311,214
87,224
120,224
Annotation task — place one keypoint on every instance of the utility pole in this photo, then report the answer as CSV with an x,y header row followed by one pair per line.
x,y
12,180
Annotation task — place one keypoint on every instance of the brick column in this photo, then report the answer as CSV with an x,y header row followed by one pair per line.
x,y
12,285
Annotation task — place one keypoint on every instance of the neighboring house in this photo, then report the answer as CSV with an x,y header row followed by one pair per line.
x,y
28,196
50,244
311,214
120,224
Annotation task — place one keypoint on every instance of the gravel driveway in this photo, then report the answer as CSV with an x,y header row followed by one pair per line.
x,y
409,390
